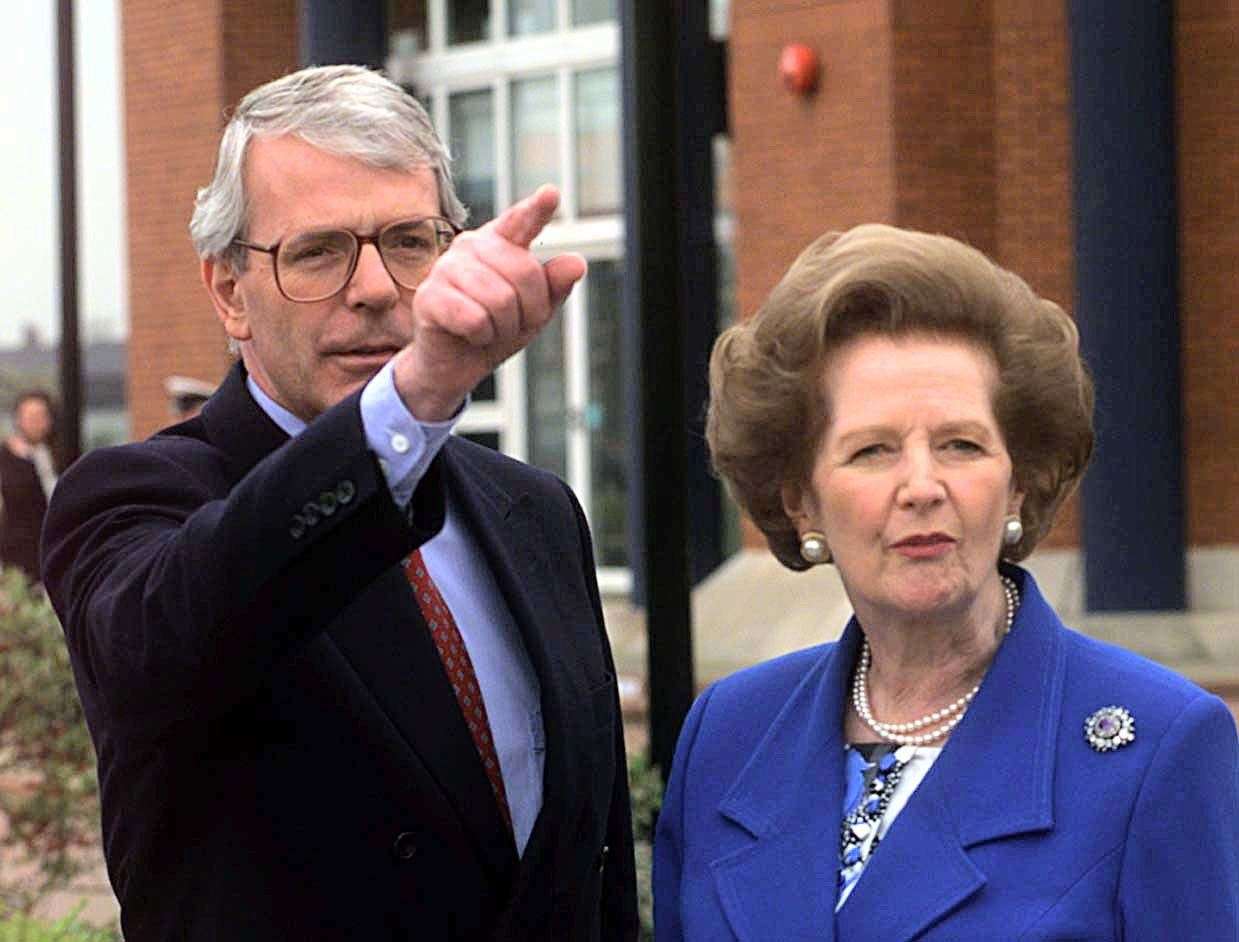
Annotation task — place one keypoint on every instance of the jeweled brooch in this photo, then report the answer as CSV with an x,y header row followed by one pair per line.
x,y
1110,728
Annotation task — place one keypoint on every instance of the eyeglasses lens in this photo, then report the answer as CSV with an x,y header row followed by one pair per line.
x,y
409,250
315,265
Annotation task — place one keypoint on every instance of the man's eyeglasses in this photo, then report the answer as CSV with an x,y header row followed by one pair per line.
x,y
313,266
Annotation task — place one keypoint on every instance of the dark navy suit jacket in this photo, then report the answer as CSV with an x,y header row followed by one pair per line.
x,y
1019,831
281,755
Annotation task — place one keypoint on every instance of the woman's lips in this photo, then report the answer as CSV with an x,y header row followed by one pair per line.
x,y
928,546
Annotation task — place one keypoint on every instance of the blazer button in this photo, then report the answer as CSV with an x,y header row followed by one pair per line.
x,y
311,514
404,847
345,492
327,503
296,527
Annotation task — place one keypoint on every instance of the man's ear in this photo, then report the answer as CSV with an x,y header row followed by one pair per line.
x,y
226,296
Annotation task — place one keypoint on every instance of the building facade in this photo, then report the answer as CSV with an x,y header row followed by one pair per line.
x,y
947,116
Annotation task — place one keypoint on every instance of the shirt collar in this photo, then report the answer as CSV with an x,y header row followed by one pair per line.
x,y
290,423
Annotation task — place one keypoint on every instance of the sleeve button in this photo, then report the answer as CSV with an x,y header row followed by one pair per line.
x,y
327,503
345,492
310,513
296,527
404,847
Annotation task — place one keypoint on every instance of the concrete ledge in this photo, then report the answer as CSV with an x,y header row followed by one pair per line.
x,y
753,609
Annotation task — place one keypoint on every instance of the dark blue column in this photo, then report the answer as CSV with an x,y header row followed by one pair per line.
x,y
336,32
1127,272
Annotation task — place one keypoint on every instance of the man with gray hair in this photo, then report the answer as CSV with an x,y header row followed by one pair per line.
x,y
346,673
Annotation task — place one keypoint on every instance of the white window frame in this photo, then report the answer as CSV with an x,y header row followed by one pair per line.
x,y
441,71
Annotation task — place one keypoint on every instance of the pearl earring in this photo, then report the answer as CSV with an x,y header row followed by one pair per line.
x,y
813,548
1012,532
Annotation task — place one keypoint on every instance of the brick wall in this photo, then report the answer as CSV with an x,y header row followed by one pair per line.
x,y
184,64
954,116
1208,86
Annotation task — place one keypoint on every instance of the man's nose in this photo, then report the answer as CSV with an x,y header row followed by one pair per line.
x,y
372,286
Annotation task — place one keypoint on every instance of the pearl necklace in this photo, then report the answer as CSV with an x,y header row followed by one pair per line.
x,y
905,734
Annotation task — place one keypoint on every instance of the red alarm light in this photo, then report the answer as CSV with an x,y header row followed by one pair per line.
x,y
799,68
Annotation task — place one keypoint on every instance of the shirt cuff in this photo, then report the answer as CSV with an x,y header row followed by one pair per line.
x,y
404,446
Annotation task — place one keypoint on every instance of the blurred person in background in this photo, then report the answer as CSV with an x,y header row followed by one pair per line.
x,y
27,477
959,765
186,396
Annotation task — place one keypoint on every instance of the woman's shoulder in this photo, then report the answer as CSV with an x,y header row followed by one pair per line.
x,y
1100,675
742,707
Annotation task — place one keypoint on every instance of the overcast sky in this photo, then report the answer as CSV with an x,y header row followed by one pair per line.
x,y
29,234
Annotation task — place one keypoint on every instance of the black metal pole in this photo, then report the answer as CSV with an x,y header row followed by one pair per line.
x,y
70,429
352,32
1127,300
701,109
655,329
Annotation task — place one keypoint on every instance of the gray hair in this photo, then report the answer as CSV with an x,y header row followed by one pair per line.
x,y
346,110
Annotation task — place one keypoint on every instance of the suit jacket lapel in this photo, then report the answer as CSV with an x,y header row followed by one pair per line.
x,y
508,527
993,780
385,640
788,797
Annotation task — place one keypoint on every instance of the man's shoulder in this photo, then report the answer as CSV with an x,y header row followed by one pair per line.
x,y
473,458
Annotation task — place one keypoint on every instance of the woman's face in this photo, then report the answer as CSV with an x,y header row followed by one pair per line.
x,y
912,481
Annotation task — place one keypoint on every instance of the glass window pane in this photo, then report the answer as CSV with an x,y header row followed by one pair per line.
x,y
489,439
485,391
585,12
597,142
546,399
605,414
535,134
721,146
530,16
472,122
468,21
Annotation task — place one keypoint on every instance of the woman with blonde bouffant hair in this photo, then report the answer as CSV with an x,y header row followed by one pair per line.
x,y
959,764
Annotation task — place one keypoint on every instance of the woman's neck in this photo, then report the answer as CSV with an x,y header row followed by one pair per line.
x,y
921,663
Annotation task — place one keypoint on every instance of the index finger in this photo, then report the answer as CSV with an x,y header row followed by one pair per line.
x,y
521,222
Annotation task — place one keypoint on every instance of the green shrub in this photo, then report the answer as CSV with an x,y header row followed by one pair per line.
x,y
19,928
645,785
47,763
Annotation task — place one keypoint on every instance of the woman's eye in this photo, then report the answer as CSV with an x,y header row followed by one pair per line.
x,y
963,445
869,451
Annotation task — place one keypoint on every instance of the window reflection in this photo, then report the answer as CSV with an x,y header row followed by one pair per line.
x,y
530,16
585,12
597,143
535,134
472,117
546,399
606,415
468,21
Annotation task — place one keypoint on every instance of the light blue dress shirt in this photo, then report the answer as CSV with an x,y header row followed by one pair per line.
x,y
405,448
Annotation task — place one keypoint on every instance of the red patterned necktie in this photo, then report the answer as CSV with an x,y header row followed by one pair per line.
x,y
459,669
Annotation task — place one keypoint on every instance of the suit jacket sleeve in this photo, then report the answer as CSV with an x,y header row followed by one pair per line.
x,y
619,879
1180,872
179,585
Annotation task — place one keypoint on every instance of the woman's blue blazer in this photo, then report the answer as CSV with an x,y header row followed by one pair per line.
x,y
1021,830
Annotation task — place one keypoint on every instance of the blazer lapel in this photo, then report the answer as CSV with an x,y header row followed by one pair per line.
x,y
509,529
788,798
993,780
387,642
